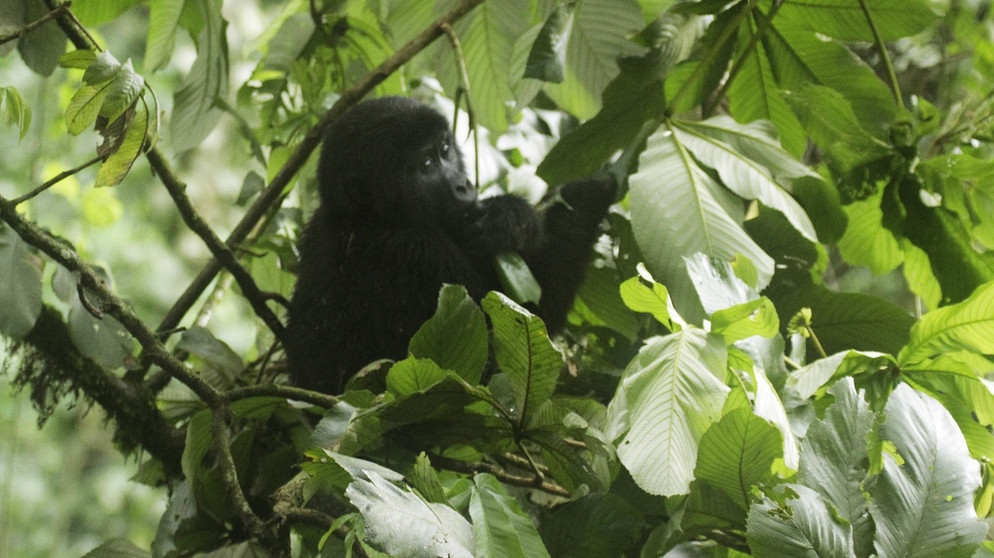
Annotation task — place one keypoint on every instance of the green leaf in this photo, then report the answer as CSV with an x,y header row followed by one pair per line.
x,y
954,381
942,235
42,47
488,42
13,110
593,526
632,98
516,278
116,166
844,321
750,178
102,339
524,353
413,375
830,120
199,437
448,411
117,548
599,295
425,480
741,321
194,113
599,32
644,294
754,94
866,241
737,453
801,526
847,19
95,12
678,210
455,337
924,506
547,58
124,90
103,69
84,107
289,42
20,285
693,82
918,272
216,356
968,325
163,20
501,527
401,524
834,459
668,397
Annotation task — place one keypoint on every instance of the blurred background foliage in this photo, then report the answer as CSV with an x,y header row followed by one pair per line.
x,y
67,478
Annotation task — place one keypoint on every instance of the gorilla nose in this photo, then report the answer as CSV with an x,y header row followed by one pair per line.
x,y
464,192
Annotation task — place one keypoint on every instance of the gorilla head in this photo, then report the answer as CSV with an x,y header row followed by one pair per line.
x,y
394,161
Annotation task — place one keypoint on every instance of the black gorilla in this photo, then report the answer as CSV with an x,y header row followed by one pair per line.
x,y
397,219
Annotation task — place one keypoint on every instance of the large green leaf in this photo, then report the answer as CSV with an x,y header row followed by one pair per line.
x,y
754,93
598,35
163,20
694,81
524,353
20,285
668,397
594,526
748,159
832,123
844,321
737,453
848,19
403,525
834,458
194,110
632,98
488,36
866,241
502,528
802,526
924,506
456,336
968,326
678,210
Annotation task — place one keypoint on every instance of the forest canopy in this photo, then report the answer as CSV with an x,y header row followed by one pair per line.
x,y
782,347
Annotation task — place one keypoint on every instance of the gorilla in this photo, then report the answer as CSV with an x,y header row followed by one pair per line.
x,y
398,218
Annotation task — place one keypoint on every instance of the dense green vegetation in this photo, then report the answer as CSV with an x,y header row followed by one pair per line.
x,y
782,347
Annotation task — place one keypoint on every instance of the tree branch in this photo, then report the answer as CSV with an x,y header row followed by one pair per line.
x,y
109,303
29,27
139,421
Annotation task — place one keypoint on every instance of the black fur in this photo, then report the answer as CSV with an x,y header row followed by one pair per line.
x,y
397,219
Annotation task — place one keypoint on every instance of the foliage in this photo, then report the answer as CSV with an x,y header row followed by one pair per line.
x,y
719,389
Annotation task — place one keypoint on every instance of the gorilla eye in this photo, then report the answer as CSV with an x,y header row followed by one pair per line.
x,y
427,162
444,147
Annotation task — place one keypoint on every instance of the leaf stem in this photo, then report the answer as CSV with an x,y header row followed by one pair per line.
x,y
888,65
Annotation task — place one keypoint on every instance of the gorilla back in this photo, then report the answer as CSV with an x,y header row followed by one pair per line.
x,y
397,219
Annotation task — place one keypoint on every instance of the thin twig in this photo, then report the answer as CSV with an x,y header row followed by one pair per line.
x,y
288,392
54,180
529,481
29,27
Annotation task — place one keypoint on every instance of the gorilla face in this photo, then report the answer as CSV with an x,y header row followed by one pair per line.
x,y
393,161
